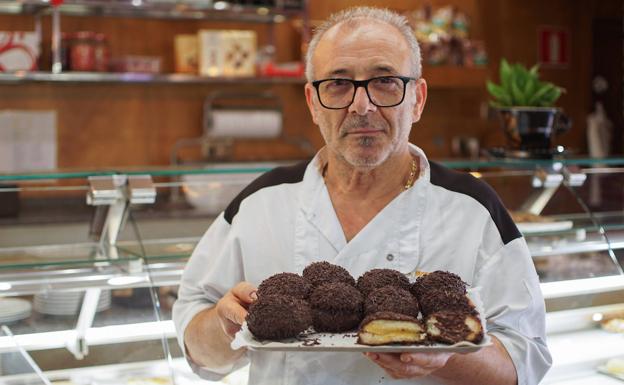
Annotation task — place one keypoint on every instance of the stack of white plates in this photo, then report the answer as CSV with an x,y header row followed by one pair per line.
x,y
14,309
67,302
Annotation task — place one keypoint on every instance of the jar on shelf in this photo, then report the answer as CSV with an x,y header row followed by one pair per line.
x,y
82,51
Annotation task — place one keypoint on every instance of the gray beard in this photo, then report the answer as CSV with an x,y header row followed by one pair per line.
x,y
366,141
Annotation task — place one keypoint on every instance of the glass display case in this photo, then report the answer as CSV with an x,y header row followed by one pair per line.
x,y
90,260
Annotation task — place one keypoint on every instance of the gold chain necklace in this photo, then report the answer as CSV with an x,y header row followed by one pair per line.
x,y
412,175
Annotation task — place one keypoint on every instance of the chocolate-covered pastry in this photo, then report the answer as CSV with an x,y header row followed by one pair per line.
x,y
275,317
378,278
318,273
440,300
336,307
391,328
285,284
438,280
451,327
392,299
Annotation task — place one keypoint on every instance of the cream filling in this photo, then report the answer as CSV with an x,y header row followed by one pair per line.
x,y
385,331
474,326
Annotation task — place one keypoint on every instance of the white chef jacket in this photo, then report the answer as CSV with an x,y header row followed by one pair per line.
x,y
447,220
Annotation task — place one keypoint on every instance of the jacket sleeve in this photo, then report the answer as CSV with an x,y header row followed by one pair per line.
x,y
213,269
514,306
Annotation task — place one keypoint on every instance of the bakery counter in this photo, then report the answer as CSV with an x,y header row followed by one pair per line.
x,y
56,248
135,373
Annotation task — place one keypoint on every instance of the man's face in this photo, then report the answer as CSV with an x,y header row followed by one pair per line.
x,y
363,134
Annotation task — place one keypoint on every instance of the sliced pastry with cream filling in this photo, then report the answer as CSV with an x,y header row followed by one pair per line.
x,y
384,327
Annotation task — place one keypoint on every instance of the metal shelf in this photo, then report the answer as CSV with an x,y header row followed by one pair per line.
x,y
21,77
190,9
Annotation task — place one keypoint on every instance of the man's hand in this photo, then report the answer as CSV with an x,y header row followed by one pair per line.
x,y
409,365
232,308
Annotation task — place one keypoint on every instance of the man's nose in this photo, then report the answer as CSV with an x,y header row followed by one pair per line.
x,y
361,103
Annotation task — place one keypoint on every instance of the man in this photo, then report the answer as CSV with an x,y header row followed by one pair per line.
x,y
369,199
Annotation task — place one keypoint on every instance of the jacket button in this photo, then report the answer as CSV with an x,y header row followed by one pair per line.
x,y
390,257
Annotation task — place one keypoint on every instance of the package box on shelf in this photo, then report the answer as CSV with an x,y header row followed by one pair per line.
x,y
227,52
19,51
186,48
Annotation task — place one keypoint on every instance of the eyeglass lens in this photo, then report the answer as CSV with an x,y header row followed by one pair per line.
x,y
383,92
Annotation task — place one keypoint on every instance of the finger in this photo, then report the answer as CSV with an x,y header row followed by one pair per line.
x,y
230,309
245,292
389,360
404,366
426,360
231,316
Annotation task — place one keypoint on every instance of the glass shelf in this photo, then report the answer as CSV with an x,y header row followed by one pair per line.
x,y
52,256
242,168
21,77
189,9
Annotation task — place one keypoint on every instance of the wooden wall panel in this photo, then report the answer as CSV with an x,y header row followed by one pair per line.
x,y
122,125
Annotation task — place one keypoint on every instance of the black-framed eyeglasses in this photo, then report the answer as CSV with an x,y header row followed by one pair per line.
x,y
382,91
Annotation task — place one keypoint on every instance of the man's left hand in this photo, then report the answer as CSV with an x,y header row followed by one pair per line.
x,y
409,365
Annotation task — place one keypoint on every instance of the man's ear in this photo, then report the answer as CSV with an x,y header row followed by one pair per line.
x,y
420,88
310,94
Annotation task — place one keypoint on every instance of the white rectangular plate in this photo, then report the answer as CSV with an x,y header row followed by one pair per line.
x,y
347,342
343,342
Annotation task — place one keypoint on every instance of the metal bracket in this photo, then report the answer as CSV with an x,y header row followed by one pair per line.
x,y
77,344
546,183
117,192
573,176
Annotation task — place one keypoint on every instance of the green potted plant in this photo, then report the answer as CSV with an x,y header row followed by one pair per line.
x,y
526,107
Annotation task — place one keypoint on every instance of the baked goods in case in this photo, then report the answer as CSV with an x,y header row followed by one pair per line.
x,y
615,366
318,273
451,327
440,300
285,284
275,317
438,280
378,278
384,328
336,307
614,325
392,299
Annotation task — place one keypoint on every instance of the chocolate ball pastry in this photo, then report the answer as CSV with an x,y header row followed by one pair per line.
x,y
438,300
451,327
392,299
391,328
285,284
438,280
275,317
318,273
336,307
378,278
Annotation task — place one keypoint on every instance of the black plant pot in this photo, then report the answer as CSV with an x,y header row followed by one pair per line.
x,y
532,130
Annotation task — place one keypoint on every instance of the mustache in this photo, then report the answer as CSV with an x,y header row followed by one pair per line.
x,y
354,122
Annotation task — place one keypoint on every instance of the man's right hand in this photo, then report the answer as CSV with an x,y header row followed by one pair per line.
x,y
232,308
210,332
